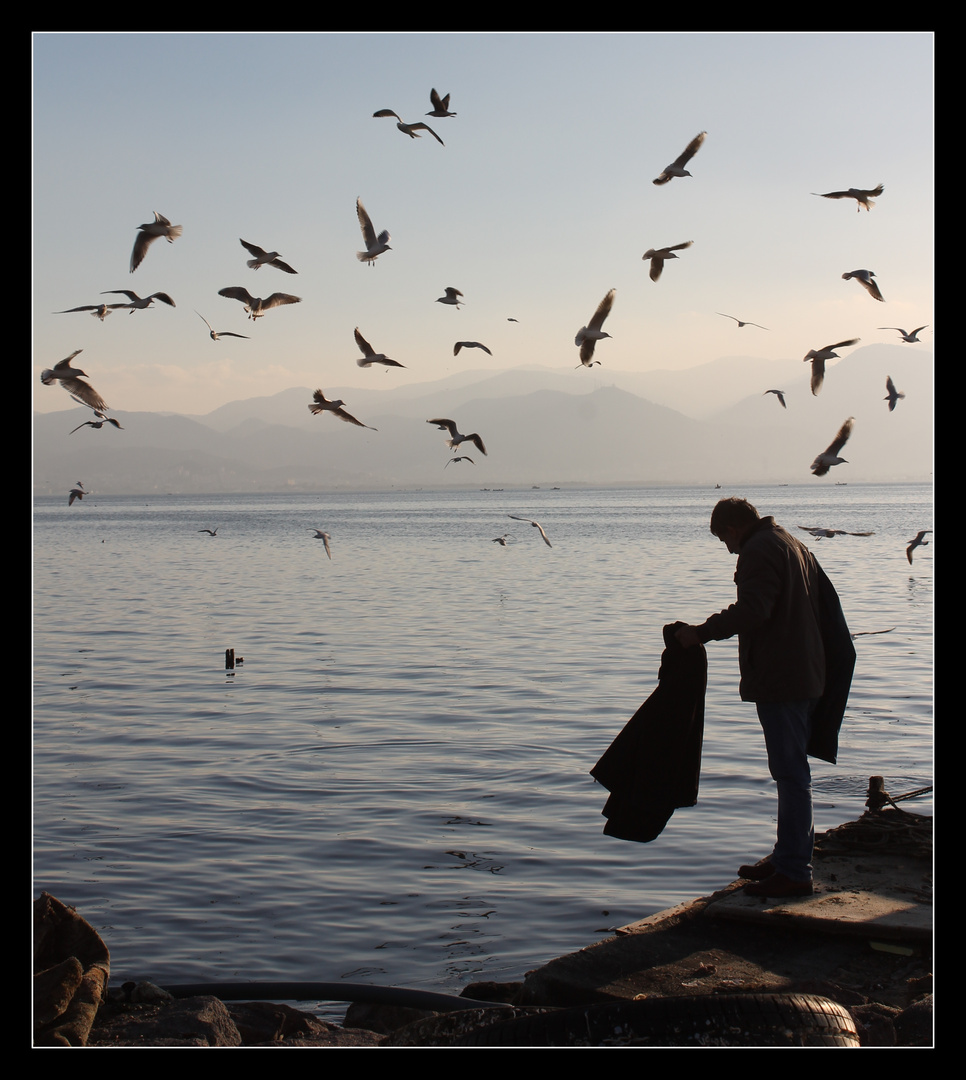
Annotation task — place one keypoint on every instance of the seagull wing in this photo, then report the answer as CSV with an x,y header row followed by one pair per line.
x,y
254,249
841,438
368,233
425,127
818,374
277,299
349,418
445,425
603,310
163,297
84,393
478,443
387,112
238,292
692,148
142,242
364,345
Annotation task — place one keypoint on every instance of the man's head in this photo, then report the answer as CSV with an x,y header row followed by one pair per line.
x,y
732,520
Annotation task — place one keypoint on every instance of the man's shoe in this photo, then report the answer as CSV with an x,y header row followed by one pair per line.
x,y
757,871
776,885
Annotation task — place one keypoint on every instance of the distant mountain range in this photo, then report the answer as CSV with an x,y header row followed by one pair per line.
x,y
543,426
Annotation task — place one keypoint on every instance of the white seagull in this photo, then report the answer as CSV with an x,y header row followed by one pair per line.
x,y
862,197
70,379
818,358
375,245
216,334
139,303
98,424
325,538
321,404
470,345
101,311
739,322
892,394
588,336
864,278
369,357
829,456
255,305
264,258
658,255
912,543
910,337
149,233
410,129
451,297
676,168
780,394
818,532
456,438
440,105
501,540
535,524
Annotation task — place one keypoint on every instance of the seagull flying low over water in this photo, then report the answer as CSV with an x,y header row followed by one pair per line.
x,y
369,357
913,544
264,258
440,105
588,336
676,168
375,245
255,305
780,394
325,538
818,532
864,278
829,456
470,345
501,540
322,404
451,297
892,394
818,358
535,524
739,322
210,532
862,197
410,129
101,311
149,233
658,255
78,492
139,303
463,458
70,379
216,334
456,438
910,337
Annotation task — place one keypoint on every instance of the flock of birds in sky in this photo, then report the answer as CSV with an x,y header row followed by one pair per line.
x,y
73,379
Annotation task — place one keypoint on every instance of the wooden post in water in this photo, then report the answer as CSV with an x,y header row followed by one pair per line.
x,y
229,659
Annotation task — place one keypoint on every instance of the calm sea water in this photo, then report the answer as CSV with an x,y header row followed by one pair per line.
x,y
393,788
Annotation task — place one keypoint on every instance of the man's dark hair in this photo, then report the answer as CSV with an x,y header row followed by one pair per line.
x,y
734,512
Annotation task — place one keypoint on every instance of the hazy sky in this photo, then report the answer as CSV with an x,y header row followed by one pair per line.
x,y
540,201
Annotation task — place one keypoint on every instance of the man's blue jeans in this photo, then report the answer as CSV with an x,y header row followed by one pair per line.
x,y
787,727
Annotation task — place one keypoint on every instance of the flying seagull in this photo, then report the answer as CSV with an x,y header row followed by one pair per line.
x,y
892,394
78,492
149,233
210,532
818,532
588,336
369,357
740,323
265,258
70,379
325,538
456,438
912,543
535,524
780,394
470,345
451,297
375,245
910,337
98,424
440,105
139,303
676,168
658,255
864,278
101,311
862,197
463,458
410,129
818,358
322,404
255,305
501,540
216,334
829,457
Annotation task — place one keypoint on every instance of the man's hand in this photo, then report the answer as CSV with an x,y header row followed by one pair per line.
x,y
688,636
